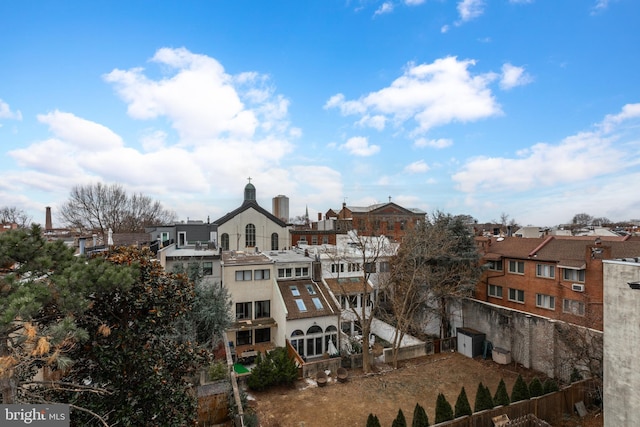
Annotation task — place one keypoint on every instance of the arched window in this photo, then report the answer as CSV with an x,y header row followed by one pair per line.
x,y
274,241
314,342
297,341
224,242
250,235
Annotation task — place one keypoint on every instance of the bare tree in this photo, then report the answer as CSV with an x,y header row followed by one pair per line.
x,y
13,215
101,207
436,264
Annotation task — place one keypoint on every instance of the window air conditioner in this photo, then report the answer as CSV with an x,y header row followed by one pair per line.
x,y
578,287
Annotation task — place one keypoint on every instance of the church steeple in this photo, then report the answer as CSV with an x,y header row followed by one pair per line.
x,y
249,192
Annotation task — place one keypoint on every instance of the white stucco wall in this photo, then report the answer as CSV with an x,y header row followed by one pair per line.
x,y
235,228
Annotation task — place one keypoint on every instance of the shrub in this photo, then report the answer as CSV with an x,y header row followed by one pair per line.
x,y
400,420
550,386
420,418
462,405
483,399
444,412
275,368
218,371
501,397
575,375
520,390
373,421
535,388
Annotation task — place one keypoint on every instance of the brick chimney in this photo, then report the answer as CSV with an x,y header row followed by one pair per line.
x,y
47,221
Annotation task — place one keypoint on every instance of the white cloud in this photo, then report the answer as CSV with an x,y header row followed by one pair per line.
x,y
417,167
6,113
470,9
433,143
577,158
413,2
520,1
600,6
430,94
513,76
376,122
80,133
200,99
386,7
444,29
359,146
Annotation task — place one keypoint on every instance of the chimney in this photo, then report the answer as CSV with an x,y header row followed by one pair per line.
x,y
47,220
319,216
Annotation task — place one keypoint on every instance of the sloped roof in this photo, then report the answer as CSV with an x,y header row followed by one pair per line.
x,y
379,206
327,306
347,285
247,205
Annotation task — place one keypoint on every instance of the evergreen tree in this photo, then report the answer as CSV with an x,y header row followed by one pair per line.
x,y
444,412
400,420
520,390
420,418
550,386
373,421
535,388
462,405
276,368
483,399
501,397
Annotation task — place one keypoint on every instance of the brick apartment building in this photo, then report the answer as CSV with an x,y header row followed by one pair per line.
x,y
555,276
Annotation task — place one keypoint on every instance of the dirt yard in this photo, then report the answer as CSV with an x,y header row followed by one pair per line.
x,y
383,393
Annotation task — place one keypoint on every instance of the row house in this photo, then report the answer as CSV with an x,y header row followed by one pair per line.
x,y
556,277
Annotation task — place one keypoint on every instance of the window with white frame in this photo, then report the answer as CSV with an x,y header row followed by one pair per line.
x,y
573,307
314,240
385,267
302,271
310,289
301,305
243,310
546,301
207,268
495,291
262,274
243,275
294,291
516,267
337,268
325,240
285,272
572,275
516,295
546,270
317,303
250,235
164,236
224,242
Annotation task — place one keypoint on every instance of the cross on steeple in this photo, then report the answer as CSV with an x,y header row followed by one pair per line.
x,y
249,180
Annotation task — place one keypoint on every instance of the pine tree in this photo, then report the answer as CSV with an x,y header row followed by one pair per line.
x,y
483,399
420,418
520,390
444,412
535,388
373,421
501,397
400,420
462,405
550,386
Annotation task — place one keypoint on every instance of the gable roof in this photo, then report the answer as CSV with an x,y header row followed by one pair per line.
x,y
384,206
247,205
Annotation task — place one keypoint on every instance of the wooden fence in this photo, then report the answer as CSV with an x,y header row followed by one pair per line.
x,y
549,408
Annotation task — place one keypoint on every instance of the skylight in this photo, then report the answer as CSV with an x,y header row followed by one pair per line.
x,y
301,305
317,303
294,291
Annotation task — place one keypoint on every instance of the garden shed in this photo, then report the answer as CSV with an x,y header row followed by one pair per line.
x,y
470,342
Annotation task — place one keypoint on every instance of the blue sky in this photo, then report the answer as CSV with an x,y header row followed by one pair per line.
x,y
528,108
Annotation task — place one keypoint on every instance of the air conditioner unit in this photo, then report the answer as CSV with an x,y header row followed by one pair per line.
x,y
578,287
